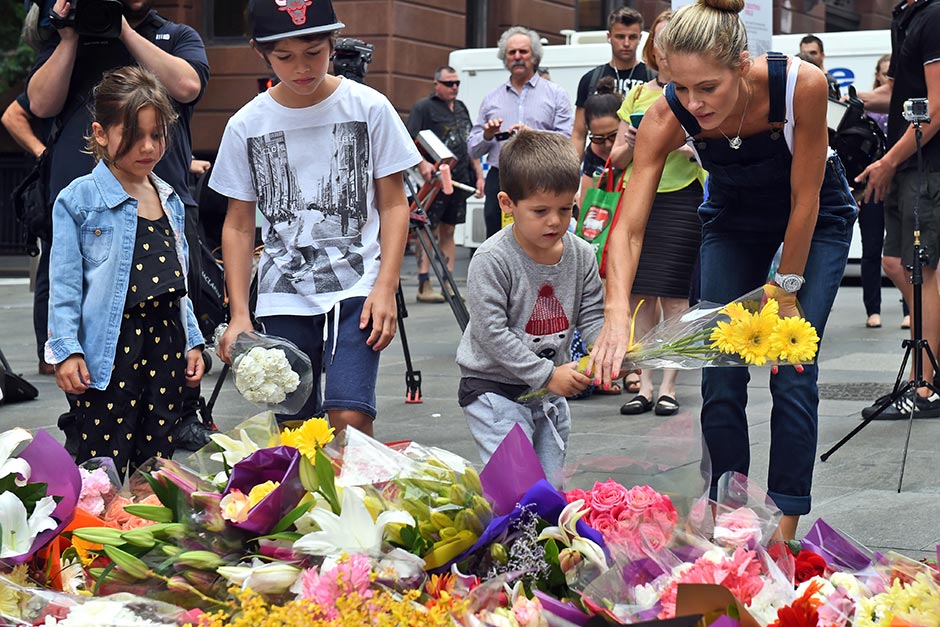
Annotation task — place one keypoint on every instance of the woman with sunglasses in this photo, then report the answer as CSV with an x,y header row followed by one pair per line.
x,y
600,116
673,232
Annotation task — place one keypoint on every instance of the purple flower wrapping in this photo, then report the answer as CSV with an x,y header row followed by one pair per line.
x,y
281,464
51,464
839,551
513,469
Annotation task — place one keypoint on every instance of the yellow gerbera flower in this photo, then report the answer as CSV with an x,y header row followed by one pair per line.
x,y
312,434
794,340
750,337
722,337
771,308
735,311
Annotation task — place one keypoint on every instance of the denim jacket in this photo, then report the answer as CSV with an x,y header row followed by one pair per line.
x,y
94,230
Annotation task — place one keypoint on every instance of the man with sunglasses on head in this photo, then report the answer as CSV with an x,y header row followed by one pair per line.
x,y
448,118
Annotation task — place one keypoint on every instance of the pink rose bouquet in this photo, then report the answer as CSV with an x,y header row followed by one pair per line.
x,y
634,522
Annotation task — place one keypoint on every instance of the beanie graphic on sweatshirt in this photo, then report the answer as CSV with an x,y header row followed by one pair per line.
x,y
548,315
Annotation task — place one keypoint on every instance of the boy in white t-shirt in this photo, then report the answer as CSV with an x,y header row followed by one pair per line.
x,y
321,157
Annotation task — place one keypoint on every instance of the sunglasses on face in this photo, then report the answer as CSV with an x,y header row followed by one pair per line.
x,y
609,138
450,83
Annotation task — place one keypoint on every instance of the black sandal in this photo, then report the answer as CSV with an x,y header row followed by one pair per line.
x,y
639,404
666,406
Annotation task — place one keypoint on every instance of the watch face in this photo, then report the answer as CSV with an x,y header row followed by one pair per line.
x,y
791,283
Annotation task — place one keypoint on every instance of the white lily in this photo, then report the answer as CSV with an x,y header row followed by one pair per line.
x,y
233,451
16,531
353,531
9,441
263,578
567,534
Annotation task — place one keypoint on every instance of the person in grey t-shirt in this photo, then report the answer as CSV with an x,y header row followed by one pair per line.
x,y
529,287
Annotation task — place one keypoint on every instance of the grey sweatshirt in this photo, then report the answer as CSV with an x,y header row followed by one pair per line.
x,y
523,313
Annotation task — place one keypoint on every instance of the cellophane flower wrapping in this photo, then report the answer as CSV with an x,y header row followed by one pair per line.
x,y
271,372
217,458
441,490
23,604
746,331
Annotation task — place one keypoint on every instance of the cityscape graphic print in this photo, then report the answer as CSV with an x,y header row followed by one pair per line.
x,y
312,188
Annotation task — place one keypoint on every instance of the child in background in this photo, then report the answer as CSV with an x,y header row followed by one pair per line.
x,y
122,331
322,158
528,287
600,116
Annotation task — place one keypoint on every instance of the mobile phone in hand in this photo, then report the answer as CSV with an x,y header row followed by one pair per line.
x,y
635,119
503,135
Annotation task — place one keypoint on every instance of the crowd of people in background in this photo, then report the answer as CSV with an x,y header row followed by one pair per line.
x,y
531,283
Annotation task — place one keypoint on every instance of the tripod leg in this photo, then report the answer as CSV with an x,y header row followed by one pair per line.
x,y
443,274
898,393
412,376
907,442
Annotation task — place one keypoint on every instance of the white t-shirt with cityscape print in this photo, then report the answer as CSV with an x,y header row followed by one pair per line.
x,y
312,173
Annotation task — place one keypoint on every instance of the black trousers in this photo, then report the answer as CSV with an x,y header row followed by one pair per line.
x,y
41,299
133,419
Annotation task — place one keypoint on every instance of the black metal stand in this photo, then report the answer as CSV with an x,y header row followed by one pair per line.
x,y
420,225
916,346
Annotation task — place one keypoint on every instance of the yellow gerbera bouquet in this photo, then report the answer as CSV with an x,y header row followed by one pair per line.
x,y
746,331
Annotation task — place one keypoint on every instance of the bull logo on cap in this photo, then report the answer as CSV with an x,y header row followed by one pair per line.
x,y
297,9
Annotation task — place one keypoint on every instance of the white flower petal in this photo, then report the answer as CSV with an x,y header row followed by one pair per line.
x,y
9,441
15,538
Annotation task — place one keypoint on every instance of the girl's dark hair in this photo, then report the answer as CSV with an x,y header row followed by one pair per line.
x,y
604,103
117,100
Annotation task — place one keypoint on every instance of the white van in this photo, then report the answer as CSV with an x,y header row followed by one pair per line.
x,y
850,58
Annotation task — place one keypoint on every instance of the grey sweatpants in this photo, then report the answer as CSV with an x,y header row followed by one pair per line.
x,y
546,422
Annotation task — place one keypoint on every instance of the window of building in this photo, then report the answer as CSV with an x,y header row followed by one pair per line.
x,y
227,19
592,14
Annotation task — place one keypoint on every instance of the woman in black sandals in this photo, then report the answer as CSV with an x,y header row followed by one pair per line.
x,y
664,274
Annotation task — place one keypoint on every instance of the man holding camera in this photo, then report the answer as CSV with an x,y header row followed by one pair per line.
x,y
914,74
93,37
525,100
448,118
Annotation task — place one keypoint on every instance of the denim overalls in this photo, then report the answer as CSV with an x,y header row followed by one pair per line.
x,y
744,220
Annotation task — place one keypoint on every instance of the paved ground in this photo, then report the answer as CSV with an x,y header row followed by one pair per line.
x,y
856,490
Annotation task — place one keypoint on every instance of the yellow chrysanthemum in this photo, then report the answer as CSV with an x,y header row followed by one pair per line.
x,y
794,340
260,491
750,337
312,434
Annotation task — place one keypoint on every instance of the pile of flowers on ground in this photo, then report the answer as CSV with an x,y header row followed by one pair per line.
x,y
265,528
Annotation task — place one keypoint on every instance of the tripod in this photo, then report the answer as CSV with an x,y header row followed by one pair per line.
x,y
420,225
917,346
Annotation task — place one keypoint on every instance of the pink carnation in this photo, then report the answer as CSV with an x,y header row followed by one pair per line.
x,y
95,486
739,527
349,576
740,574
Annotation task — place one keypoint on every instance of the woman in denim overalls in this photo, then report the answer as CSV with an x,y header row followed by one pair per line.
x,y
746,118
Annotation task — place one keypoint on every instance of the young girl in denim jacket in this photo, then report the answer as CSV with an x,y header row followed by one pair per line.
x,y
122,331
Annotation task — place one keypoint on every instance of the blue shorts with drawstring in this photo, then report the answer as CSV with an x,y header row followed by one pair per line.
x,y
345,368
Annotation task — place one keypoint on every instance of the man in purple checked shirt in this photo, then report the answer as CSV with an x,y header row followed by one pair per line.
x,y
524,101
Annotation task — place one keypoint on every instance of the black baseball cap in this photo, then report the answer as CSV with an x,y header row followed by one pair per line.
x,y
280,19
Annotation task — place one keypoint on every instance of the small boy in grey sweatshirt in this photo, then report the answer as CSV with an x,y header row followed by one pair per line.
x,y
528,288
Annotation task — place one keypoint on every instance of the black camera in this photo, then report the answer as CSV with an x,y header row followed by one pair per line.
x,y
100,19
351,58
916,110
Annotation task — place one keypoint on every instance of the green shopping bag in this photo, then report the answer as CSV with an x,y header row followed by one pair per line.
x,y
599,211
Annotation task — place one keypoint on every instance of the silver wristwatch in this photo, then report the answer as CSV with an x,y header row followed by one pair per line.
x,y
789,282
